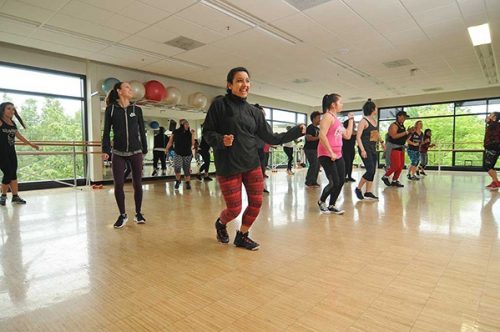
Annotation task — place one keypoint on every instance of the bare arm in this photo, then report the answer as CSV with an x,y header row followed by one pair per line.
x,y
348,133
393,132
25,141
170,143
361,127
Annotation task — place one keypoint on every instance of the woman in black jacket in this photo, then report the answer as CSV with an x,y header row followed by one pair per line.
x,y
129,144
231,127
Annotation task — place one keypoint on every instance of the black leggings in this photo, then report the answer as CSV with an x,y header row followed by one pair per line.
x,y
206,161
370,163
348,156
289,153
335,173
159,156
118,167
8,165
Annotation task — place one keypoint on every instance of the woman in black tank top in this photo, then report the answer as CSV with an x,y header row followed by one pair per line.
x,y
8,161
367,138
397,136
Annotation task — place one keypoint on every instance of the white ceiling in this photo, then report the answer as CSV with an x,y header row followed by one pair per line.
x,y
357,35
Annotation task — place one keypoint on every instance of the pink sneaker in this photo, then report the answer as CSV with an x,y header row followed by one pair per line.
x,y
493,186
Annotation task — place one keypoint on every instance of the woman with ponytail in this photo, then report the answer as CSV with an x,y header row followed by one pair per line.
x,y
8,160
129,145
232,127
331,133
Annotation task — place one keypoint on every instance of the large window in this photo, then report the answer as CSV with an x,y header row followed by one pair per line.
x,y
457,129
51,104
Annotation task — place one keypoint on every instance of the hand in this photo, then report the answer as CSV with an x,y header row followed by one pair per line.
x,y
34,146
350,115
105,156
192,131
228,140
303,128
363,154
334,156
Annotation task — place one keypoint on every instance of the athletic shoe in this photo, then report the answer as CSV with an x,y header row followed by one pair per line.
x,y
154,173
323,208
243,241
3,199
414,178
358,193
423,173
371,196
334,210
207,179
163,173
289,172
266,191
493,186
188,185
18,200
139,218
418,173
397,184
199,177
386,181
122,220
177,184
350,180
266,176
221,230
409,177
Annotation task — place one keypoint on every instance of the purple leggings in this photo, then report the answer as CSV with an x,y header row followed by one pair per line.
x,y
119,178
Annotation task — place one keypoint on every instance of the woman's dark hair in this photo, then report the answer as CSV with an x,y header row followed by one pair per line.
x,y
313,115
497,116
232,72
427,131
113,96
369,107
328,100
346,123
259,107
162,130
2,111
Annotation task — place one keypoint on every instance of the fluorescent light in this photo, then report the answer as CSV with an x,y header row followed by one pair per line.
x,y
480,34
228,13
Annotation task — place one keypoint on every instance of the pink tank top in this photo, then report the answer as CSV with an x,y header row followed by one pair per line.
x,y
334,136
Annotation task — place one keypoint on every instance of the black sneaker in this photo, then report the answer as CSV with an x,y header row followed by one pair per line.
x,y
397,184
122,220
409,177
266,191
3,199
221,230
371,196
414,178
18,200
188,185
423,173
243,241
418,173
199,177
177,184
323,208
386,181
139,218
154,173
207,178
334,210
351,180
358,193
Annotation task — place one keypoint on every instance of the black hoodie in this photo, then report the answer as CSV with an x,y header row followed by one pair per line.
x,y
234,115
129,134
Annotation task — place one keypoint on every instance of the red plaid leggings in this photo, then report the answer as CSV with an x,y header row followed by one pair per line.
x,y
231,190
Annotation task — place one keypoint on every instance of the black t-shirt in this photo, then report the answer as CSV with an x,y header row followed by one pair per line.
x,y
398,141
160,141
415,138
183,141
313,131
7,140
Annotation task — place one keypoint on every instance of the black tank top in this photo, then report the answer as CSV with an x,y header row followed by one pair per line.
x,y
370,137
401,140
7,139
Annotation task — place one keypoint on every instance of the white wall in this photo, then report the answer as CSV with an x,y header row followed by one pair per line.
x,y
96,72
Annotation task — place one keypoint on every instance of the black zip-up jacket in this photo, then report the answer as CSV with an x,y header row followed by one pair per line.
x,y
129,134
233,115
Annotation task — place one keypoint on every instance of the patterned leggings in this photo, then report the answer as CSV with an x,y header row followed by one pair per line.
x,y
231,190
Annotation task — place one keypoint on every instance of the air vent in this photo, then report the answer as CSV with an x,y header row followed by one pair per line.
x,y
306,4
301,80
184,43
398,63
432,89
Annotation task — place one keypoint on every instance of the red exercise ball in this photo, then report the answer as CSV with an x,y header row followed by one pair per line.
x,y
155,91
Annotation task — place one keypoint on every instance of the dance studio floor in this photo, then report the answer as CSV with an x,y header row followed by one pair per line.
x,y
424,258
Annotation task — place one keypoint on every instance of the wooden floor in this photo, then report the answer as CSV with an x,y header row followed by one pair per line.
x,y
424,258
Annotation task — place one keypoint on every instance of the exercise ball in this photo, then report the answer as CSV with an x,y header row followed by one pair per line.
x,y
173,96
138,90
108,84
199,100
155,91
154,125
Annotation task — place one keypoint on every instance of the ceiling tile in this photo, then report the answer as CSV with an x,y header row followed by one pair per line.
x,y
20,9
150,45
188,29
144,13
